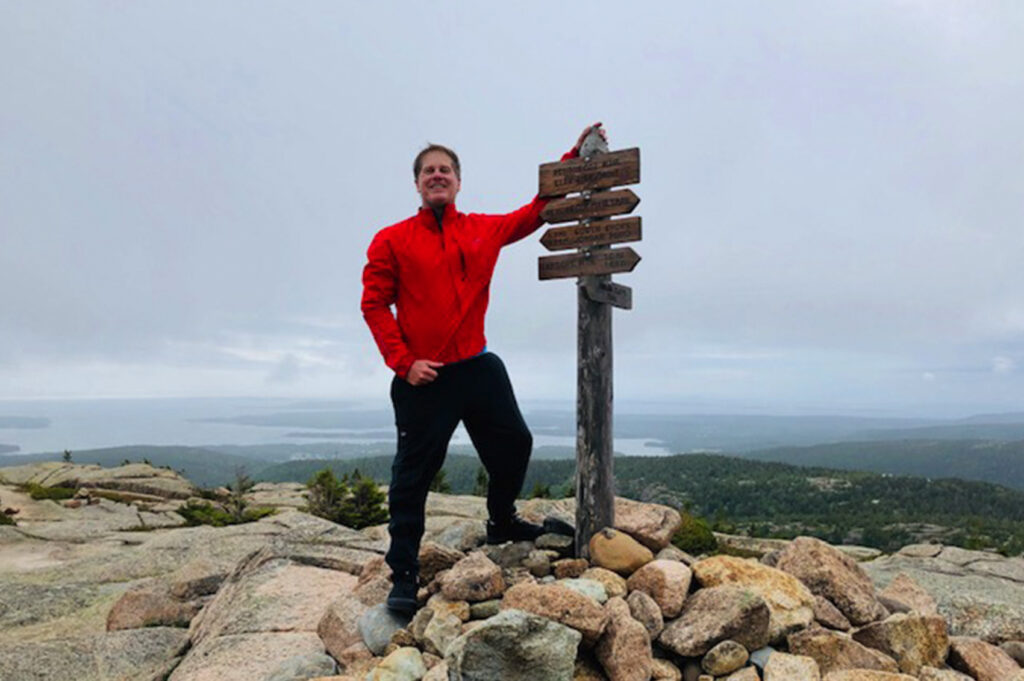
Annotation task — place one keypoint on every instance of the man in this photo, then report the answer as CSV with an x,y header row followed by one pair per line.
x,y
435,268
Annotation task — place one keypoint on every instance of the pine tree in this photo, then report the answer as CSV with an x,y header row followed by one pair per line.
x,y
480,487
440,483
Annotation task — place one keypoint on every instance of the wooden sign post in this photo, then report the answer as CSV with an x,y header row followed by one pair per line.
x,y
593,264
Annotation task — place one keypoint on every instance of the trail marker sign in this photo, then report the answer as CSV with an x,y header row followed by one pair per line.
x,y
594,205
593,264
592,233
599,171
603,261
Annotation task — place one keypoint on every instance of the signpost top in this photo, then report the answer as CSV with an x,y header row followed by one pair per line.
x,y
599,171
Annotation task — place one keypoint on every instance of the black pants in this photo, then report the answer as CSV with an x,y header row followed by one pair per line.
x,y
478,393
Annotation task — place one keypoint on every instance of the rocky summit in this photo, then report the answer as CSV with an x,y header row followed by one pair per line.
x,y
110,584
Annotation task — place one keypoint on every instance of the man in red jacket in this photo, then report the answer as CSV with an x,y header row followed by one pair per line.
x,y
435,268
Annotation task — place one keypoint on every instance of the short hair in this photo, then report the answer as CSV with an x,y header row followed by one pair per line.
x,y
417,165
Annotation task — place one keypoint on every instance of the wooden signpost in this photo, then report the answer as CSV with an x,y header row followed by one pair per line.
x,y
593,263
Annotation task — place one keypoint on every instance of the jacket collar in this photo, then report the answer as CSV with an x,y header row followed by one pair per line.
x,y
426,215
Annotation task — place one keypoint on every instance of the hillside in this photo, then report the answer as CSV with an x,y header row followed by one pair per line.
x,y
770,499
1001,463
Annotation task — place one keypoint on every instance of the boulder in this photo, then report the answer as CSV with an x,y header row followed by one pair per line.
x,y
570,567
484,609
624,650
618,552
508,554
790,602
674,553
835,651
786,667
403,664
270,594
1014,649
614,585
828,615
724,658
666,581
912,640
829,573
377,625
560,543
514,646
645,611
981,660
441,630
474,578
716,614
559,604
151,605
438,603
339,630
904,595
539,562
435,557
588,587
745,674
650,524
663,670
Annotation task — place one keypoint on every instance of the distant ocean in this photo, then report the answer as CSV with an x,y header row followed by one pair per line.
x,y
93,424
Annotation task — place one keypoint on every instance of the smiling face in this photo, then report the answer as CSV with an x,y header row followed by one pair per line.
x,y
437,181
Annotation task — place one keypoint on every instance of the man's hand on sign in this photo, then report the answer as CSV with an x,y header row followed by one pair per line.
x,y
586,131
422,371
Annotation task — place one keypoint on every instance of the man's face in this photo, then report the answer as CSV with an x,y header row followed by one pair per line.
x,y
437,183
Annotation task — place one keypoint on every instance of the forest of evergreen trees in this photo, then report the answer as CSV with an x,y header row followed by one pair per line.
x,y
767,499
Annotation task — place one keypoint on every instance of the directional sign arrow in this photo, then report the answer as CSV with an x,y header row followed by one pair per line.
x,y
596,233
599,205
599,171
601,261
609,292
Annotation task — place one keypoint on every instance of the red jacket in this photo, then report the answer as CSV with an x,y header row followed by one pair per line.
x,y
439,281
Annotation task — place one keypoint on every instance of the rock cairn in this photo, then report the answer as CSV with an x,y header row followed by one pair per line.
x,y
642,610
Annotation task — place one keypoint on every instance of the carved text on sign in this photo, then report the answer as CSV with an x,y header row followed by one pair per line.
x,y
603,261
598,172
597,205
596,233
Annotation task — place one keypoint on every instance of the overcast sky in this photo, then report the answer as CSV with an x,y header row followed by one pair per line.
x,y
831,193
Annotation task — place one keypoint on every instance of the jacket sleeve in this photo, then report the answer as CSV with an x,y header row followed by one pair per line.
x,y
380,291
526,220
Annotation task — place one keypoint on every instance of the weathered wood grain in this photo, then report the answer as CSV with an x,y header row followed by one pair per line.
x,y
597,261
597,205
595,233
599,171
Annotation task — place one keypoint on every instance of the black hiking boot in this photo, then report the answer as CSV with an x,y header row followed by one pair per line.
x,y
514,529
553,525
402,598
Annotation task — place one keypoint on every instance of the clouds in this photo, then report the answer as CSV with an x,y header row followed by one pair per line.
x,y
830,192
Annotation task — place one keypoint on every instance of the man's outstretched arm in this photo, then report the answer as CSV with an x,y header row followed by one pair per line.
x,y
526,220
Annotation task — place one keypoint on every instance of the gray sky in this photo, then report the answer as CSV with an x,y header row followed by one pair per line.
x,y
831,194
